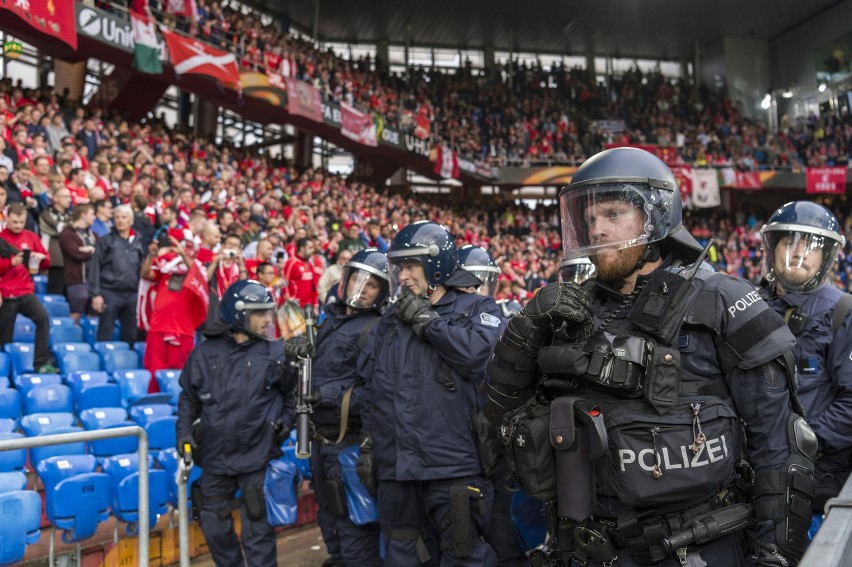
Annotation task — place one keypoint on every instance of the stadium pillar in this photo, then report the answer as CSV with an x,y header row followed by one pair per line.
x,y
382,54
184,109
303,149
71,76
489,61
744,65
206,117
590,64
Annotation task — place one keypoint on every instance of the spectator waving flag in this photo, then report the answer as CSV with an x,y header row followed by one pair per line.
x,y
190,56
186,8
446,162
146,55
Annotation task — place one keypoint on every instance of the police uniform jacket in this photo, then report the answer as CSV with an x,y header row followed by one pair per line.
x,y
335,367
824,360
240,393
422,391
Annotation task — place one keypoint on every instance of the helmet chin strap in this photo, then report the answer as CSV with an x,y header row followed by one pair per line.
x,y
430,290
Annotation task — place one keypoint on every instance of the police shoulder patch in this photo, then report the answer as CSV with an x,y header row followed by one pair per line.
x,y
489,320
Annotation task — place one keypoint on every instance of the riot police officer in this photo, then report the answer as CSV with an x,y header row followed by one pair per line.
x,y
421,365
640,381
362,290
234,410
501,534
800,245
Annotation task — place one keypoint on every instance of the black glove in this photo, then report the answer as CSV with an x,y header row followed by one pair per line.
x,y
366,467
282,433
415,311
558,303
299,347
186,440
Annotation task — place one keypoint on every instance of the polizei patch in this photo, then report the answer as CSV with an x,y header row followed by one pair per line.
x,y
743,303
489,320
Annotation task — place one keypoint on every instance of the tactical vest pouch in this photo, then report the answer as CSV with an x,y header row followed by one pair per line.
x,y
617,362
663,378
526,440
688,453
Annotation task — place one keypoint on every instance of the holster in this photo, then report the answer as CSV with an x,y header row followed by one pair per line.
x,y
462,531
255,502
197,498
336,497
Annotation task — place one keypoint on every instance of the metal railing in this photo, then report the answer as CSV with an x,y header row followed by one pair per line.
x,y
832,545
97,435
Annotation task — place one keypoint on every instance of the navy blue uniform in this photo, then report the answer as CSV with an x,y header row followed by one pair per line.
x,y
422,396
334,372
236,401
824,360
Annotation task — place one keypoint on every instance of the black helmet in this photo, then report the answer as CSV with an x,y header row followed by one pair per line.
x,y
365,267
809,237
478,262
240,299
428,243
633,176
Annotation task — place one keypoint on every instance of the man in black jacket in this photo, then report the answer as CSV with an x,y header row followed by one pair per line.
x,y
235,408
114,277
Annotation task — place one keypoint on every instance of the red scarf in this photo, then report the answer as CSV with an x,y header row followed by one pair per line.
x,y
226,276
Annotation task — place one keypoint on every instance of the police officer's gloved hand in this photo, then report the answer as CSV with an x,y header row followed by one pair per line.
x,y
186,440
366,466
561,302
282,432
299,347
415,311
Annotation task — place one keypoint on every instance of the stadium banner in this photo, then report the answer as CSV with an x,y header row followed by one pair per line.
x,y
749,180
145,55
683,175
609,126
446,162
52,17
555,176
666,153
357,125
190,56
826,180
303,99
705,189
478,167
115,31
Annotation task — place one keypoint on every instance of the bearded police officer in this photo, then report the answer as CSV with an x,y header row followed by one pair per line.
x,y
422,365
640,381
362,291
800,245
235,409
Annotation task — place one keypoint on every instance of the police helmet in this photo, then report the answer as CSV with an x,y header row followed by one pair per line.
x,y
800,244
365,272
242,299
576,270
478,262
635,177
429,244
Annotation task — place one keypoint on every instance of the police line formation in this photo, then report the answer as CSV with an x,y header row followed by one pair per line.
x,y
651,411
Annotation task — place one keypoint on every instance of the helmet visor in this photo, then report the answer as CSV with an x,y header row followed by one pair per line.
x,y
488,277
291,320
577,272
407,272
613,216
798,261
261,322
360,289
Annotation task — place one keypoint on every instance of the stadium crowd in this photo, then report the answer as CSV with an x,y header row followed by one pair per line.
x,y
517,114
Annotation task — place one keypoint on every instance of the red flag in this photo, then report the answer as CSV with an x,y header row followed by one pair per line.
x,y
446,162
51,17
303,99
357,125
683,174
190,56
827,180
747,180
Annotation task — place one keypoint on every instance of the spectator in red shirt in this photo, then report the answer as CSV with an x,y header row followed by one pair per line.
x,y
17,291
210,241
300,276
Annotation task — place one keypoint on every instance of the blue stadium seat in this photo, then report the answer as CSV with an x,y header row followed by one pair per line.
x,y
76,497
123,471
79,379
20,516
21,357
12,480
161,433
167,380
143,414
48,398
139,347
61,349
40,423
14,459
51,298
56,309
40,281
117,360
10,403
62,322
134,388
103,347
79,362
24,330
90,329
30,380
4,381
168,460
8,425
106,395
104,418
39,454
65,335
5,366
